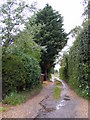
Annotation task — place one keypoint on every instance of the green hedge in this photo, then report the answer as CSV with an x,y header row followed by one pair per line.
x,y
62,73
33,71
13,73
78,69
19,72
78,65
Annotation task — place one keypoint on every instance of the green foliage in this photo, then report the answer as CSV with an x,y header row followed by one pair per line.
x,y
23,42
25,49
73,66
15,98
13,73
63,73
21,55
20,71
78,64
75,31
13,17
33,71
51,35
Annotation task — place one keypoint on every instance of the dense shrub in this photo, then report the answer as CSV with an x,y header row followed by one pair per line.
x,y
63,71
20,71
33,71
13,73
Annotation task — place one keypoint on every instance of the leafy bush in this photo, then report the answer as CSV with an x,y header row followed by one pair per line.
x,y
63,71
20,72
33,71
13,73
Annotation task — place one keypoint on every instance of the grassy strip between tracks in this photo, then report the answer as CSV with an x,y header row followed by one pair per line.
x,y
57,90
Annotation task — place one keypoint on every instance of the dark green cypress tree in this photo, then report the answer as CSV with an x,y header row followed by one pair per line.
x,y
51,35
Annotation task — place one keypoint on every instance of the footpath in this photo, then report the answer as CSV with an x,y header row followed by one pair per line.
x,y
43,105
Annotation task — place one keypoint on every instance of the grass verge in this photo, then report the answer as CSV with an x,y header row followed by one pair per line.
x,y
15,98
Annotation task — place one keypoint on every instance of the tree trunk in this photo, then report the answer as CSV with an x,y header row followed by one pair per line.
x,y
46,71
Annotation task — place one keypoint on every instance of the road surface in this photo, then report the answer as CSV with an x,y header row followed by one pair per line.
x,y
69,105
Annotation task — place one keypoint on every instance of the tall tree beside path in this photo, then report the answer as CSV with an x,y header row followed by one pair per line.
x,y
51,36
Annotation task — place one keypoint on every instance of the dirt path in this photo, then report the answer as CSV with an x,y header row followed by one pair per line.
x,y
43,105
69,105
29,109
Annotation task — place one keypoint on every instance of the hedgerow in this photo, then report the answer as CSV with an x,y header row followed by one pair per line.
x,y
13,73
33,71
62,73
78,65
19,72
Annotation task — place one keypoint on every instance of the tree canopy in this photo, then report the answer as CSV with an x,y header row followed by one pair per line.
x,y
12,19
52,35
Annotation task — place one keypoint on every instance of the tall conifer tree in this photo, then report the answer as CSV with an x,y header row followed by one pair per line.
x,y
51,35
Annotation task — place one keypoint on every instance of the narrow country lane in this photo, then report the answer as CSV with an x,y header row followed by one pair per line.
x,y
44,105
69,105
